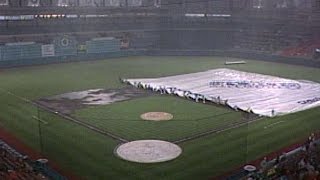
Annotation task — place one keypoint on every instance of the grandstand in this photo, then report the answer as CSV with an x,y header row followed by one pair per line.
x,y
80,79
16,166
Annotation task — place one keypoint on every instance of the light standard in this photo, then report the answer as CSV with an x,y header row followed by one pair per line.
x,y
37,118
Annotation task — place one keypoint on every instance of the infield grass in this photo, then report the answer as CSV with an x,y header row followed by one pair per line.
x,y
189,118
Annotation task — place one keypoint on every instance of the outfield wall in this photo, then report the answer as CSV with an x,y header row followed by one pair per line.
x,y
82,56
62,49
70,58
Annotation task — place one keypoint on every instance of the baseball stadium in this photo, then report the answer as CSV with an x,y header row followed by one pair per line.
x,y
159,89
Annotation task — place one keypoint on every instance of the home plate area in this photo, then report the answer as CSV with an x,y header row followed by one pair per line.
x,y
148,151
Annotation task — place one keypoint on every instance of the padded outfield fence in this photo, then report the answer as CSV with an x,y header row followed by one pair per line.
x,y
83,56
69,58
62,49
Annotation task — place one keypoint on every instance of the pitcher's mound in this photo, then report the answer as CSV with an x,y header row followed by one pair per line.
x,y
148,151
156,116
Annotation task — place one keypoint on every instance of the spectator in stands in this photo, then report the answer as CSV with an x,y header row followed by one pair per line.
x,y
316,53
263,164
14,166
304,164
12,175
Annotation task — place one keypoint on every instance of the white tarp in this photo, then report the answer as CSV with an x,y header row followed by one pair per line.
x,y
260,94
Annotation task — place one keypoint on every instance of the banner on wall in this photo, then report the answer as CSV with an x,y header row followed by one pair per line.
x,y
134,2
64,42
157,3
47,50
90,3
34,3
4,2
82,48
63,2
124,44
112,3
65,45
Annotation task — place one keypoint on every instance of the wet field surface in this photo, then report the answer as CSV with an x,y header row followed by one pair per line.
x,y
69,102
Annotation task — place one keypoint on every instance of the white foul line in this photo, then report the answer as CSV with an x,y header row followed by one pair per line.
x,y
270,125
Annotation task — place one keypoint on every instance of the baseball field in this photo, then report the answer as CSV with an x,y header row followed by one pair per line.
x,y
213,138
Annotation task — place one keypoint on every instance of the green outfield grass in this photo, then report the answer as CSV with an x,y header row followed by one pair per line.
x,y
90,155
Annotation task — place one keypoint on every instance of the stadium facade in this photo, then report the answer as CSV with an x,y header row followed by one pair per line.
x,y
164,27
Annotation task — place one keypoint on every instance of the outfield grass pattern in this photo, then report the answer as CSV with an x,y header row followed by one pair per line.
x,y
90,155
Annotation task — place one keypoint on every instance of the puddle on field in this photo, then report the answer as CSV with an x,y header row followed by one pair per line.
x,y
68,102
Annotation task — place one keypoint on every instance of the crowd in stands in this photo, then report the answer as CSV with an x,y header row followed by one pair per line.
x,y
14,166
306,49
302,163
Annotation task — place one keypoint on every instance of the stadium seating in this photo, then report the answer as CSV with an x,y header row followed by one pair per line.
x,y
303,49
15,166
300,163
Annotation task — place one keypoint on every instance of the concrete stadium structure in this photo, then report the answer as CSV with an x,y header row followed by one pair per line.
x,y
168,25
